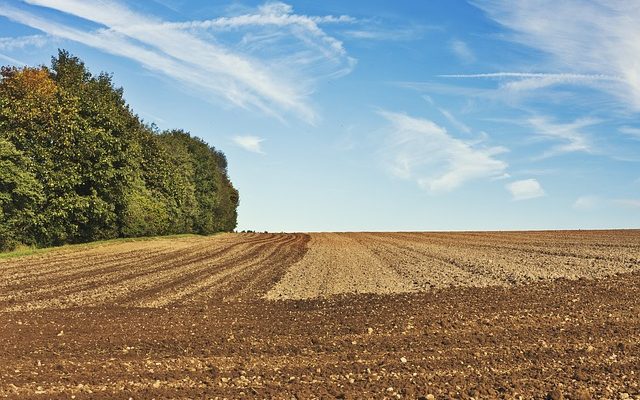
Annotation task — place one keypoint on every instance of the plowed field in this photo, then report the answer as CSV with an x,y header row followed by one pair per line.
x,y
327,315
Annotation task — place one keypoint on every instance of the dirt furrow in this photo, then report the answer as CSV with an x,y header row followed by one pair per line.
x,y
69,266
614,252
108,287
89,267
154,288
335,264
78,292
65,258
506,266
255,283
252,280
479,269
425,271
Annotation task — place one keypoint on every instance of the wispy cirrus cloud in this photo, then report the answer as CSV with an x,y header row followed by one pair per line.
x,y
386,30
461,50
455,121
570,136
633,133
20,42
274,82
594,40
378,33
249,143
420,150
17,43
525,189
272,13
280,23
522,81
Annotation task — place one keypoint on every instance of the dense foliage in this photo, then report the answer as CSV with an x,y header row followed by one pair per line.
x,y
77,165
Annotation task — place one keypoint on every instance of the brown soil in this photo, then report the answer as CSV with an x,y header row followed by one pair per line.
x,y
335,264
185,318
382,263
150,273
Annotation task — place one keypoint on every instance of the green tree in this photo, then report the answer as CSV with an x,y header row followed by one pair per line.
x,y
214,192
20,198
99,172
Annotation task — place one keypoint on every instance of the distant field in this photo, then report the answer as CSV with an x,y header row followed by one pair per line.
x,y
183,270
409,262
402,315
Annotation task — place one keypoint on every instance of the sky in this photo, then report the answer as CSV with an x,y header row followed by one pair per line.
x,y
377,115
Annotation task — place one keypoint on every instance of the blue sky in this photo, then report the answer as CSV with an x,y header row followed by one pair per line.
x,y
377,115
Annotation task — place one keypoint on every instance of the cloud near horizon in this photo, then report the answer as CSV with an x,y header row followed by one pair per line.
x,y
525,189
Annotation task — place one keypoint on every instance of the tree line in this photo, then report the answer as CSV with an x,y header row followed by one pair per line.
x,y
77,165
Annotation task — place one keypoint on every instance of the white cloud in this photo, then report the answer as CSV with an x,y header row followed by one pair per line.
x,y
522,81
501,177
368,31
528,75
281,15
525,189
20,42
633,133
173,5
459,125
421,150
273,13
249,143
428,99
454,121
461,50
593,38
275,76
571,136
585,203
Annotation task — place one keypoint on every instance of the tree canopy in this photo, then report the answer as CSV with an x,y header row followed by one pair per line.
x,y
77,165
